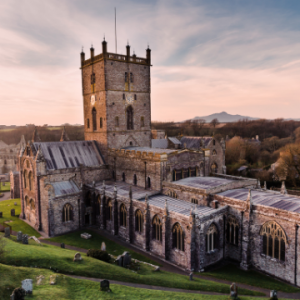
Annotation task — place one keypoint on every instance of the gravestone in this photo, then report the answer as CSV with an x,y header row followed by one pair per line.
x,y
191,276
104,285
1,214
52,279
126,259
7,232
119,261
233,291
19,236
273,295
103,247
16,203
86,235
62,245
25,239
27,286
39,279
12,212
77,257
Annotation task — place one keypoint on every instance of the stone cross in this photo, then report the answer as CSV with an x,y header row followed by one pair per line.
x,y
12,212
27,286
25,239
7,232
103,247
19,236
104,285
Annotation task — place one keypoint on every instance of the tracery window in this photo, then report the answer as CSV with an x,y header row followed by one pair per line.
x,y
232,230
123,215
195,201
30,179
67,213
212,238
109,210
274,240
129,112
157,228
178,237
138,221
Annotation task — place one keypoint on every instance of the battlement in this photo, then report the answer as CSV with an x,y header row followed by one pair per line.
x,y
114,56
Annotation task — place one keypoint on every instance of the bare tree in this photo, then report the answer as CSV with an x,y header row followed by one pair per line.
x,y
214,122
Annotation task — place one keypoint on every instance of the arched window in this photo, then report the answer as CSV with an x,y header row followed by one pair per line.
x,y
134,179
98,211
232,231
129,112
25,179
32,204
26,201
138,221
149,182
101,122
67,213
88,199
212,238
109,210
123,176
195,201
142,122
156,229
274,240
214,153
88,123
214,168
123,215
94,115
178,237
117,121
30,179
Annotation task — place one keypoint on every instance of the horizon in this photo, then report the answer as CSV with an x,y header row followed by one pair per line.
x,y
240,58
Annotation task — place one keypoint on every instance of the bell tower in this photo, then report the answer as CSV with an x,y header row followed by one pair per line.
x,y
116,98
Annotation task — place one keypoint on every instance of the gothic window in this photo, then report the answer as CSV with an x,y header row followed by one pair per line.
x,y
98,211
109,210
142,122
93,78
212,238
134,179
67,213
26,201
88,199
138,221
123,176
129,112
94,115
25,179
30,180
149,183
117,121
88,123
126,77
32,204
156,229
27,164
123,215
214,153
232,231
131,77
101,122
178,237
214,168
135,97
274,240
195,201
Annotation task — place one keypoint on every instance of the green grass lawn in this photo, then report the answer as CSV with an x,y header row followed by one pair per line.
x,y
5,188
95,242
234,274
76,289
17,224
61,261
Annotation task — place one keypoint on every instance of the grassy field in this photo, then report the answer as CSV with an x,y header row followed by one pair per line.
x,y
61,260
6,187
95,242
16,223
76,289
234,274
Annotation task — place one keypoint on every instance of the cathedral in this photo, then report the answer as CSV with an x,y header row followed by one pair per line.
x,y
175,201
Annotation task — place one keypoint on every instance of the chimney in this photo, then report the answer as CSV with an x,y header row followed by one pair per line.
x,y
104,47
148,55
92,52
128,52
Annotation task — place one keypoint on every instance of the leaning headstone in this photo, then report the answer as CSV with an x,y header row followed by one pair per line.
x,y
191,276
157,269
62,245
19,236
1,214
39,279
273,295
126,259
52,279
27,286
25,239
233,291
12,212
103,247
7,232
119,261
77,257
104,285
18,294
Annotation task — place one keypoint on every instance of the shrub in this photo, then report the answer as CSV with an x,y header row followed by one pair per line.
x,y
19,294
98,254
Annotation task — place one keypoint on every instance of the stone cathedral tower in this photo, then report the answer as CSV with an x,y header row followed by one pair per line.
x,y
116,97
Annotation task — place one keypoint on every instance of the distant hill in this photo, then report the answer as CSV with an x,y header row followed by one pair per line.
x,y
224,117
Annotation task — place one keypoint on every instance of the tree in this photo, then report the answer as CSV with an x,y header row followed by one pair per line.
x,y
214,122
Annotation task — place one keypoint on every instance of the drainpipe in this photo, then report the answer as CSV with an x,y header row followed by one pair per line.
x,y
296,258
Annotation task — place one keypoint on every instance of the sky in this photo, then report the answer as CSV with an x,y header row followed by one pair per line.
x,y
238,56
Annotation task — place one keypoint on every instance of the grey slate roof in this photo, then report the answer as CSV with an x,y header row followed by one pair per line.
x,y
69,154
194,142
64,188
202,182
174,140
267,198
148,149
159,143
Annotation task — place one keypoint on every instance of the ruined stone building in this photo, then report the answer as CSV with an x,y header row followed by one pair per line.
x,y
176,203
